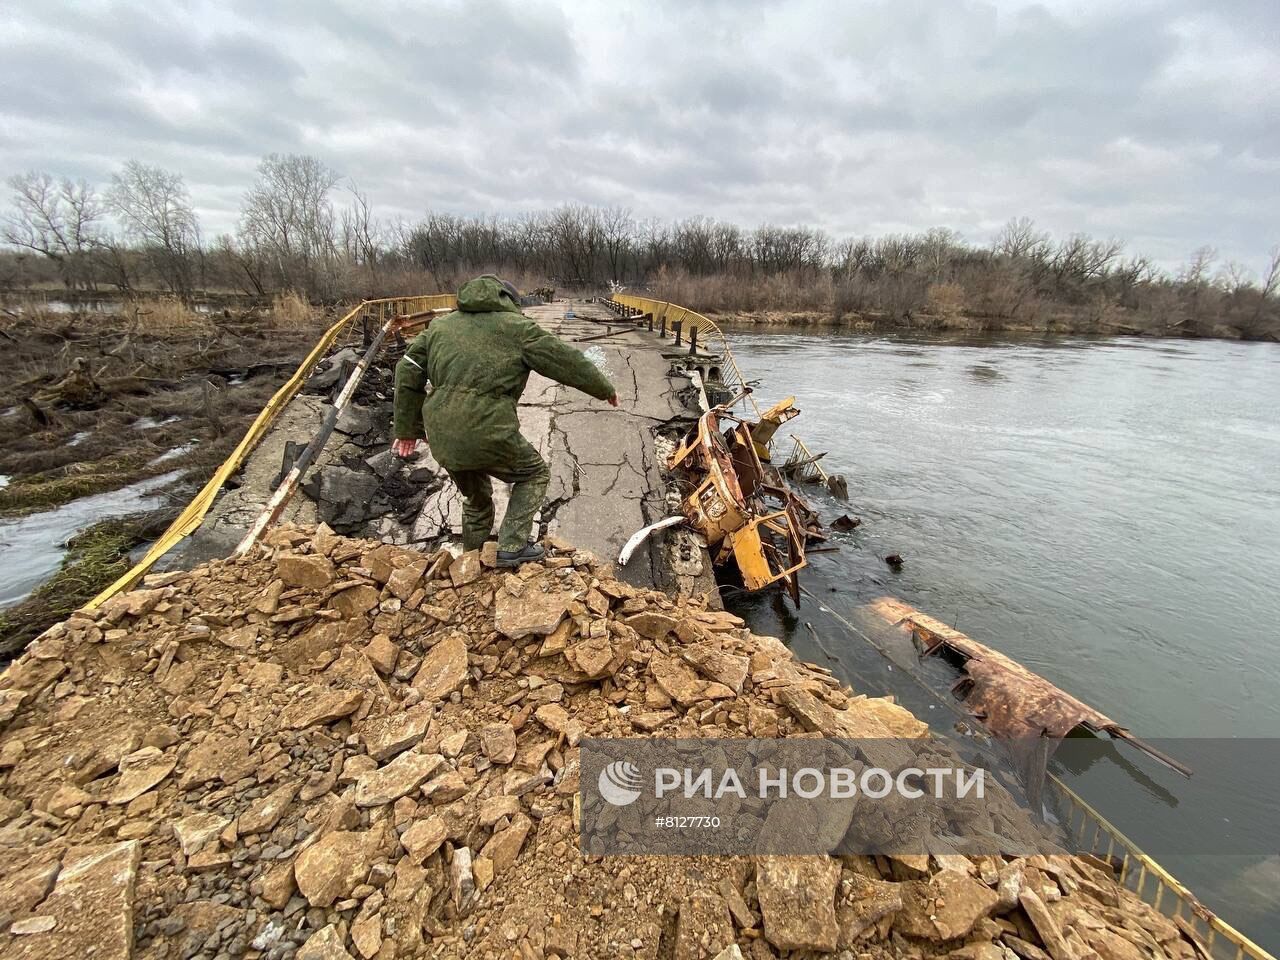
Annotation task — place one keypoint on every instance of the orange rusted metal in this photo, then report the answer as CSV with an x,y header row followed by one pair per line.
x,y
1008,699
741,504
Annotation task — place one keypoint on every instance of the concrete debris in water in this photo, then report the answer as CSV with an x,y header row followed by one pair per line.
x,y
382,762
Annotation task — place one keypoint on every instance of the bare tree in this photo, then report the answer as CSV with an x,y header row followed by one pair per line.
x,y
287,215
1020,239
617,228
57,220
155,209
361,232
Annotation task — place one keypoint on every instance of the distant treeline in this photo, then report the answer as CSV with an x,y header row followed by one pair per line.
x,y
302,227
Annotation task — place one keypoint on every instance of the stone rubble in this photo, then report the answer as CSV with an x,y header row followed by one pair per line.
x,y
382,763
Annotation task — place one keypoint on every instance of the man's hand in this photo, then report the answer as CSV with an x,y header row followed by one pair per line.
x,y
613,401
404,448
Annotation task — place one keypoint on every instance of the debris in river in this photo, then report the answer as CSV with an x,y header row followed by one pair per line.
x,y
741,503
845,523
895,561
1010,701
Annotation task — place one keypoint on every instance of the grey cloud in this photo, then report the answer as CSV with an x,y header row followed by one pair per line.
x,y
1151,121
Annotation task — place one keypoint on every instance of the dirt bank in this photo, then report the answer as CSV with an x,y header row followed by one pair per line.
x,y
1061,324
335,748
96,402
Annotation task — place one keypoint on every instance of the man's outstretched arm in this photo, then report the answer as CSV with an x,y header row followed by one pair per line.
x,y
550,356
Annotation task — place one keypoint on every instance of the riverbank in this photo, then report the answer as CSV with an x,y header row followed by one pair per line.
x,y
960,324
334,748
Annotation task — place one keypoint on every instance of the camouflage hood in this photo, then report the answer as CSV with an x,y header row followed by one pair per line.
x,y
487,294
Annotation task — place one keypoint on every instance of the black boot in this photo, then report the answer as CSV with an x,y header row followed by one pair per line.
x,y
513,558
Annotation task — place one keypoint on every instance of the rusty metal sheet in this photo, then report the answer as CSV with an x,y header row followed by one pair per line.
x,y
1008,699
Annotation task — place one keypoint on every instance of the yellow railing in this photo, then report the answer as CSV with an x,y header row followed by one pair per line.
x,y
708,334
194,513
805,467
1156,886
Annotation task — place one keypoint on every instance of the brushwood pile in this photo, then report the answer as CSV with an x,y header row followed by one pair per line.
x,y
333,748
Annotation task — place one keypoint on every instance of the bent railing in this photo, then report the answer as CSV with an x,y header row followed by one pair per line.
x,y
803,465
1152,883
189,520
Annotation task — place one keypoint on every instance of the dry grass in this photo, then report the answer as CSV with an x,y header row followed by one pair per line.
x,y
291,311
165,316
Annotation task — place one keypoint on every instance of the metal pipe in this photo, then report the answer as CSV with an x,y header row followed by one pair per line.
x,y
283,493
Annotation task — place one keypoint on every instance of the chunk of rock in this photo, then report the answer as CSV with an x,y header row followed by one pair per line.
x,y
91,906
366,934
495,808
266,813
197,830
591,656
462,883
552,716
863,903
321,705
1046,926
498,741
335,865
384,737
443,669
225,758
797,899
533,614
139,772
309,571
396,779
324,944
944,907
382,653
21,890
703,928
714,664
355,601
424,837
676,678
651,624
465,569
504,846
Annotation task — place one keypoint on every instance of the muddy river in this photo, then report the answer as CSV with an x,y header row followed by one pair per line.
x,y
1106,512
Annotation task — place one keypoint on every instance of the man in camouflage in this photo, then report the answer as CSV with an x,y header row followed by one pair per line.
x,y
477,360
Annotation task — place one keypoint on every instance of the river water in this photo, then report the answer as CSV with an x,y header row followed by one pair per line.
x,y
1107,512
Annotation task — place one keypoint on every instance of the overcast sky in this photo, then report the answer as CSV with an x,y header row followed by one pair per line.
x,y
1152,120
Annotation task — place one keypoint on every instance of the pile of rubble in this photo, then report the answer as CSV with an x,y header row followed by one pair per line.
x,y
332,748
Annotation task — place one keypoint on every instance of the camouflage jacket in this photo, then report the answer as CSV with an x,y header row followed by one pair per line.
x,y
477,361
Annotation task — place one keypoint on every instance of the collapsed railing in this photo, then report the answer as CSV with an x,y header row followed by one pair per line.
x,y
682,321
189,520
1162,891
802,466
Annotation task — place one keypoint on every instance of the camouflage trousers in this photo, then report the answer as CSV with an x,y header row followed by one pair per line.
x,y
528,475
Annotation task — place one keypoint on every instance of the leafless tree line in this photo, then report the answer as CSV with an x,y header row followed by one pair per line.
x,y
302,227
